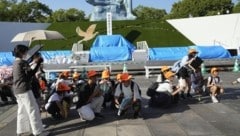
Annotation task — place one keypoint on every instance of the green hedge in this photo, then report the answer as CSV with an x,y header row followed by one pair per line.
x,y
157,33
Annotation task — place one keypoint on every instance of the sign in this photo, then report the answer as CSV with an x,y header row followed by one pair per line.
x,y
109,23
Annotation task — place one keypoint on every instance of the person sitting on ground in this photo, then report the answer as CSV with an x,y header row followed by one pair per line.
x,y
107,87
54,104
131,95
214,84
6,91
236,81
166,93
163,70
90,95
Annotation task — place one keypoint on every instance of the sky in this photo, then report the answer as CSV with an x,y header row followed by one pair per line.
x,y
87,8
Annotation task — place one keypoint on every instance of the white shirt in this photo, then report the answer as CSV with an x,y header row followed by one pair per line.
x,y
52,98
165,87
127,92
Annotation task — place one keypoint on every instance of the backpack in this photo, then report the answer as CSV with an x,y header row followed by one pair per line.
x,y
211,79
176,66
132,87
152,89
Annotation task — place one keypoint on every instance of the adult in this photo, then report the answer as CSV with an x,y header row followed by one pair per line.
x,y
28,114
185,70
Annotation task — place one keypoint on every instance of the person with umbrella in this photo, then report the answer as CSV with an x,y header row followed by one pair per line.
x,y
28,115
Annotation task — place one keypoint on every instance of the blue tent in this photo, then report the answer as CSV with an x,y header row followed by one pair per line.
x,y
111,48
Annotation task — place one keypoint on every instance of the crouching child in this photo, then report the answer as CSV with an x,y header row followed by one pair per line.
x,y
166,93
127,94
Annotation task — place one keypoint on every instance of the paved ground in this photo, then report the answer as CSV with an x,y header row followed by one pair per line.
x,y
188,118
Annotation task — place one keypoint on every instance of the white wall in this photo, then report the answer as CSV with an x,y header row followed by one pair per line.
x,y
211,30
9,29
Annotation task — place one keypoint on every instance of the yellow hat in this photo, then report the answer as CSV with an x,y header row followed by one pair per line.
x,y
192,51
92,73
169,74
75,75
165,68
125,77
105,74
214,69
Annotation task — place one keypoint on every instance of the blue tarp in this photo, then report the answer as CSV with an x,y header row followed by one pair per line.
x,y
111,48
6,58
210,52
176,53
167,53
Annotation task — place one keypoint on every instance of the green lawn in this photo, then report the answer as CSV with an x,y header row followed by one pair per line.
x,y
157,33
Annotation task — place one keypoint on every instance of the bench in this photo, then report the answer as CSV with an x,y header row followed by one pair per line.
x,y
78,68
95,67
149,69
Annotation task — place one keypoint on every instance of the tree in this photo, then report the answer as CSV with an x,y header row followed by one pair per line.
x,y
33,11
73,14
39,12
69,15
196,8
145,13
58,16
5,8
236,8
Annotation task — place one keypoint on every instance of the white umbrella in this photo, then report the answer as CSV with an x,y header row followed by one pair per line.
x,y
37,35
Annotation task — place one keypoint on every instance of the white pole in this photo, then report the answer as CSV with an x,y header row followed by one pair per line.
x,y
109,23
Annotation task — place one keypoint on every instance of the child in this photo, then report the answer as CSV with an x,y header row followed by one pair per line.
x,y
214,85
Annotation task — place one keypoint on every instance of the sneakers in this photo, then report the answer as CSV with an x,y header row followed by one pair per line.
x,y
121,112
214,99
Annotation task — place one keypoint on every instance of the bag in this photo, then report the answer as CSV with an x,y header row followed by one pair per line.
x,y
196,62
176,66
86,113
152,89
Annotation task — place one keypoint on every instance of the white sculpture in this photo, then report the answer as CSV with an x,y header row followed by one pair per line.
x,y
88,35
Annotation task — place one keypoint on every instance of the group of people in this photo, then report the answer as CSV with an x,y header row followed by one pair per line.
x,y
163,93
92,94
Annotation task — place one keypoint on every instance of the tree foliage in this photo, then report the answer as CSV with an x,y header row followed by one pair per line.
x,y
70,15
196,8
236,8
146,13
24,11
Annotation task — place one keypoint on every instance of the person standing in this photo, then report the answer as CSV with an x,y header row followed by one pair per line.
x,y
28,115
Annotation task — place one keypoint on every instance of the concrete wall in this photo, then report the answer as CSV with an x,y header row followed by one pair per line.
x,y
9,29
211,30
